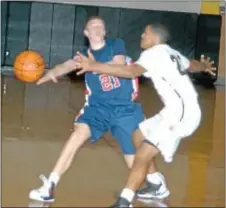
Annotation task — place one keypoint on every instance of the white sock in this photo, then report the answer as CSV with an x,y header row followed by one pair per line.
x,y
127,194
154,178
54,177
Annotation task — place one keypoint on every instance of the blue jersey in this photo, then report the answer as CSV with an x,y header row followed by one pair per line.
x,y
105,89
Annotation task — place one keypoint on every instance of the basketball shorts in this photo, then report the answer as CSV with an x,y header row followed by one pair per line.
x,y
165,134
121,121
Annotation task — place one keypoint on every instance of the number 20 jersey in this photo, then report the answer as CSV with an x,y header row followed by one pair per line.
x,y
102,89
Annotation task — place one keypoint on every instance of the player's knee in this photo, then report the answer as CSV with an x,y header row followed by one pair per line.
x,y
80,134
82,128
138,138
146,152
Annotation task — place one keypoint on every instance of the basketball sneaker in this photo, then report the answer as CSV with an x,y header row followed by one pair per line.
x,y
44,193
153,202
154,191
121,202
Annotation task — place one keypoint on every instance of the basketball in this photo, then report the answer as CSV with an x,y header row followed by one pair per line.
x,y
29,66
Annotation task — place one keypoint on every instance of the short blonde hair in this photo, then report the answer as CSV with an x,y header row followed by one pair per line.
x,y
94,18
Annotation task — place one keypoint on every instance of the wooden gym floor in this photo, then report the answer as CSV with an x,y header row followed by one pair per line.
x,y
36,122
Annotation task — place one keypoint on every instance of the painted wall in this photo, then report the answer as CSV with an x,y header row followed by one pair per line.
x,y
166,5
221,66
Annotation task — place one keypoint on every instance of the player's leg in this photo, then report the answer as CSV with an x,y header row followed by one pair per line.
x,y
85,127
144,155
138,139
125,119
126,123
155,186
161,139
45,193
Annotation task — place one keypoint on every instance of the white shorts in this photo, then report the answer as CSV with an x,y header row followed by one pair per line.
x,y
166,135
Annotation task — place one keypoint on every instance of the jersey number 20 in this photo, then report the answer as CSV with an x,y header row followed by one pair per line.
x,y
109,82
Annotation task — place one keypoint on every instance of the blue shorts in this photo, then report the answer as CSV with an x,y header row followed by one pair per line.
x,y
121,121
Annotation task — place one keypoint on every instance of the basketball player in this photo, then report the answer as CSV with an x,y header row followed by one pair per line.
x,y
181,114
109,106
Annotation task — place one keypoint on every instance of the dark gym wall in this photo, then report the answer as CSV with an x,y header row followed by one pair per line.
x,y
56,30
41,29
61,46
208,41
16,31
3,29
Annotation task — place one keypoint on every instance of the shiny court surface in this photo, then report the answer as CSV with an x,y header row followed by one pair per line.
x,y
36,121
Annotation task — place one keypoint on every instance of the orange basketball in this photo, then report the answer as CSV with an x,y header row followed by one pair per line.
x,y
29,66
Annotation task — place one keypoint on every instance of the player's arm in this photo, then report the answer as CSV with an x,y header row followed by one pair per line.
x,y
116,67
58,70
204,65
123,71
64,68
119,70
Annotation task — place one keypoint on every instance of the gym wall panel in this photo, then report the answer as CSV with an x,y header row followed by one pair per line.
x,y
183,33
4,7
62,33
221,65
176,24
130,30
111,17
132,24
49,23
166,5
190,35
17,29
41,29
209,35
56,31
208,42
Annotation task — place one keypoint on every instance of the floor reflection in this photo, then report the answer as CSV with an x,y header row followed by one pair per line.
x,y
36,122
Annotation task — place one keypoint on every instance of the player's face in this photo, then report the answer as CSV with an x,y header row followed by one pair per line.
x,y
95,30
147,38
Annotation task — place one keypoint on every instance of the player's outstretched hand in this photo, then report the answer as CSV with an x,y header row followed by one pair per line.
x,y
47,77
83,62
208,65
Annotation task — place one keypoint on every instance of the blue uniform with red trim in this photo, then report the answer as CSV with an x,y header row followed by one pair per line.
x,y
110,102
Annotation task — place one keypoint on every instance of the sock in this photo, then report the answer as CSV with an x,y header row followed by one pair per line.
x,y
127,194
54,177
154,178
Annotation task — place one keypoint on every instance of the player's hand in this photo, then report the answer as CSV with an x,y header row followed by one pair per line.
x,y
47,77
84,62
208,65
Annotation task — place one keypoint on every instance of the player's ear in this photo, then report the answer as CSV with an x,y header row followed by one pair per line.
x,y
85,32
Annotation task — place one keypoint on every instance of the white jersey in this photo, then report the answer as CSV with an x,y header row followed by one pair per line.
x,y
167,69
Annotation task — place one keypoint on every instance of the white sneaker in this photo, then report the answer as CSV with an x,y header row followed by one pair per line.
x,y
153,202
36,204
154,191
44,193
